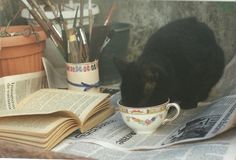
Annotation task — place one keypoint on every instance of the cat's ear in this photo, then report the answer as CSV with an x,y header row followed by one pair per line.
x,y
120,64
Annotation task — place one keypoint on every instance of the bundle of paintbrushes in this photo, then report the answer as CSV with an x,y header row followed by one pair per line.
x,y
75,44
37,12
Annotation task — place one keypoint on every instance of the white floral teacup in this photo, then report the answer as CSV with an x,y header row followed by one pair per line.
x,y
147,119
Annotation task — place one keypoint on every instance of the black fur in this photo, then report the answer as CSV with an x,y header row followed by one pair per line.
x,y
181,61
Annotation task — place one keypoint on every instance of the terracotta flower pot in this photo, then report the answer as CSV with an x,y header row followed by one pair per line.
x,y
21,54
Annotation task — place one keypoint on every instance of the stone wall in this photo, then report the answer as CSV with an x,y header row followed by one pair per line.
x,y
147,16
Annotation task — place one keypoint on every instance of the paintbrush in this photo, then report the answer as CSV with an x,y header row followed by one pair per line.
x,y
109,15
52,7
81,5
106,41
97,40
51,26
73,42
36,16
63,27
43,25
83,42
73,48
90,9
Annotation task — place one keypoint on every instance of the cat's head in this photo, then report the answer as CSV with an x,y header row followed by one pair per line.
x,y
142,85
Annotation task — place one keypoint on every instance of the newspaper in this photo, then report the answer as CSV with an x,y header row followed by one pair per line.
x,y
227,84
114,140
206,121
197,124
56,77
221,147
14,88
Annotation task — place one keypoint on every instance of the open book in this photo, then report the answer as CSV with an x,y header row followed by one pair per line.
x,y
47,116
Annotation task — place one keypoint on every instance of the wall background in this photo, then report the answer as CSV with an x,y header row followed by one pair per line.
x,y
147,16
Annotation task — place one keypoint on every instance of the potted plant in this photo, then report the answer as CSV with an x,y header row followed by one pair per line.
x,y
21,47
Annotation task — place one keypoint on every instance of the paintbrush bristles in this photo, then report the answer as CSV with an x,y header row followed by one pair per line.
x,y
72,42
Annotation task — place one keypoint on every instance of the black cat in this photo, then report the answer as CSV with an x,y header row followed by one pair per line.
x,y
181,61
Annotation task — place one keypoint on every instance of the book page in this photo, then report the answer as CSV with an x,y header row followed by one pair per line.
x,y
96,118
16,87
32,124
40,131
47,116
53,100
2,91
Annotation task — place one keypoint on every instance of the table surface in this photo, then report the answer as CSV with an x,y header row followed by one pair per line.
x,y
14,150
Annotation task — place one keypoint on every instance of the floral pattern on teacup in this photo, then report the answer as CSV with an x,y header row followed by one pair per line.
x,y
142,111
144,122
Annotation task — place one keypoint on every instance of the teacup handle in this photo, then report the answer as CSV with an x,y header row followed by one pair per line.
x,y
168,106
